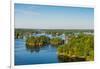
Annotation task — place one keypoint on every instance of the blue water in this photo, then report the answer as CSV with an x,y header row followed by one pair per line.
x,y
38,55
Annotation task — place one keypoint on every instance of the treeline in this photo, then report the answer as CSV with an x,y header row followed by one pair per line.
x,y
78,46
54,30
19,33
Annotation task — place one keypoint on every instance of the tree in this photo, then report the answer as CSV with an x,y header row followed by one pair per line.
x,y
56,41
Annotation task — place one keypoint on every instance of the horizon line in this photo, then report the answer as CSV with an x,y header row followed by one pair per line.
x,y
57,28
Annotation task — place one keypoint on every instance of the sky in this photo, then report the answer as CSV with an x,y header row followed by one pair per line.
x,y
32,16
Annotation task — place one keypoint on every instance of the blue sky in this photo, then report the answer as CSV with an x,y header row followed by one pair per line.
x,y
53,17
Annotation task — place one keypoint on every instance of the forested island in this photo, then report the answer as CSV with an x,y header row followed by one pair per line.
x,y
80,46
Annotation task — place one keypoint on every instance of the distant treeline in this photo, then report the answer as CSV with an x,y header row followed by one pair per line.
x,y
54,30
21,32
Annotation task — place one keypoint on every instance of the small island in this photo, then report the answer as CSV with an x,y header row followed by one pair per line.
x,y
37,41
43,40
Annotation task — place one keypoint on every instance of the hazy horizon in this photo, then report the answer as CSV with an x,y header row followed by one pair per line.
x,y
57,28
28,16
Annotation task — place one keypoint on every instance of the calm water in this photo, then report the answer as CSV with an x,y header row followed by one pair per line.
x,y
36,55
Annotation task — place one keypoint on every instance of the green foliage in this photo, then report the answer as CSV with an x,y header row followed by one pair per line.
x,y
18,35
81,45
56,41
37,41
43,40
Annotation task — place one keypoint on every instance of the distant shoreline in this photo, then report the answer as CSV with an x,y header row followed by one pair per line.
x,y
48,29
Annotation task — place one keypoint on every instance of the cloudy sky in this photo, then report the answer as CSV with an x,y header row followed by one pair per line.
x,y
53,17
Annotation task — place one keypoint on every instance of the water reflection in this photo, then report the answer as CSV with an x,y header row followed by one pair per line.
x,y
38,54
62,58
37,49
33,48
